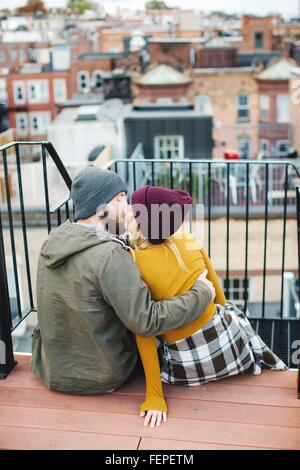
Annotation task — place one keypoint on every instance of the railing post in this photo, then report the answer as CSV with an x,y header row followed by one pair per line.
x,y
7,362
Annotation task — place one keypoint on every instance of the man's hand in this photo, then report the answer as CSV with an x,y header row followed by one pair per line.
x,y
154,417
209,284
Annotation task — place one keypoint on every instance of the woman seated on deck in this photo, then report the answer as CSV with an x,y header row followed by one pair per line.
x,y
220,342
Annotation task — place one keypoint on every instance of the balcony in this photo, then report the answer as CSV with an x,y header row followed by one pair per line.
x,y
253,239
234,414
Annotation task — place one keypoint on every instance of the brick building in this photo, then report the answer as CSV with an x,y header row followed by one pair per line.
x,y
258,34
230,95
32,99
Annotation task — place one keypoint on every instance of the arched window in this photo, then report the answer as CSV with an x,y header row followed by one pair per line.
x,y
83,81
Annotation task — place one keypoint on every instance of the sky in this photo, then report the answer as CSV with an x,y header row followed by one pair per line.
x,y
260,7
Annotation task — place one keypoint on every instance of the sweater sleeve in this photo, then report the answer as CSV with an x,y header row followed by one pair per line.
x,y
123,289
212,276
149,357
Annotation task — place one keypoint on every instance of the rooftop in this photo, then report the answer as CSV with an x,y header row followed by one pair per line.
x,y
248,412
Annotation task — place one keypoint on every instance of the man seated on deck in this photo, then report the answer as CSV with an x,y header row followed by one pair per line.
x,y
90,296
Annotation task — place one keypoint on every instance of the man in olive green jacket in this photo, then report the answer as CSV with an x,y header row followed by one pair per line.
x,y
91,298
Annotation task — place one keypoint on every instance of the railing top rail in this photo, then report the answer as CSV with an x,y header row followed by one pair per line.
x,y
23,142
110,163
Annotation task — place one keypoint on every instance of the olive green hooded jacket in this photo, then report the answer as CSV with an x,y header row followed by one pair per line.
x,y
90,299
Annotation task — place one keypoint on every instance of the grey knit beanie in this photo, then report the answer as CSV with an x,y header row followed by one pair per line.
x,y
93,188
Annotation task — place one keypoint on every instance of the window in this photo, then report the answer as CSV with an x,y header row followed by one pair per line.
x,y
13,55
282,148
265,147
39,122
243,146
83,81
97,79
22,56
203,104
22,123
19,92
3,94
237,289
1,56
283,108
38,91
243,108
264,108
59,89
169,146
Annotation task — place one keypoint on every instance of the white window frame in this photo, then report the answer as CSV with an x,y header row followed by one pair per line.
x,y
41,90
43,119
241,139
22,55
281,142
243,107
283,118
24,117
19,84
60,90
169,143
265,143
236,294
13,54
94,75
80,74
264,101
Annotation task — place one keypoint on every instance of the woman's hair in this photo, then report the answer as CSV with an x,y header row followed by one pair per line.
x,y
139,241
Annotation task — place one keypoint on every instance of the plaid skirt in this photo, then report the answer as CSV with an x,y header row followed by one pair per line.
x,y
226,346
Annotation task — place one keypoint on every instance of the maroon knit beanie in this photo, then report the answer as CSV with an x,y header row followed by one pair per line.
x,y
160,212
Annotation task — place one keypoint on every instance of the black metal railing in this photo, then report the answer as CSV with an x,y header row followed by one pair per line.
x,y
12,308
235,191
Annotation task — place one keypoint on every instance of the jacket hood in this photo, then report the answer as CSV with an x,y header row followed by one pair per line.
x,y
69,239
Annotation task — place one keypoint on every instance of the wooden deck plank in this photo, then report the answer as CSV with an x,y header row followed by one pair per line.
x,y
231,393
246,412
277,379
177,429
16,438
126,404
151,443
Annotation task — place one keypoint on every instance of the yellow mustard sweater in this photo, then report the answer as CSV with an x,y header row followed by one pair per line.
x,y
166,278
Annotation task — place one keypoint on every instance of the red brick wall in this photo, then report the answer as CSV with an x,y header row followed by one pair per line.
x,y
29,107
173,54
279,131
253,25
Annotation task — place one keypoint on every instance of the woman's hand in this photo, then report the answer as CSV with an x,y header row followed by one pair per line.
x,y
153,417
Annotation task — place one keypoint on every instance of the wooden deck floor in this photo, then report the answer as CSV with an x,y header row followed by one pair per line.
x,y
239,413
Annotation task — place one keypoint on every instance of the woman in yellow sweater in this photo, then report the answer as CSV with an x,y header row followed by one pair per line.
x,y
221,341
